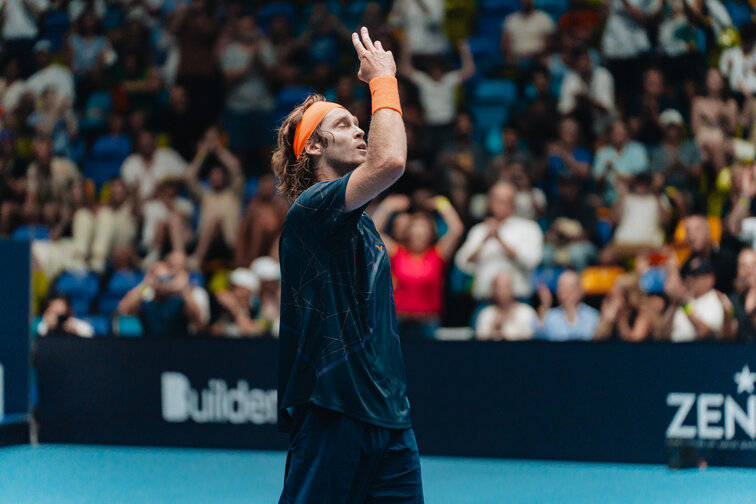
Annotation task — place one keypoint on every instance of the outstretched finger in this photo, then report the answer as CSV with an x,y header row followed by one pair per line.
x,y
366,39
358,45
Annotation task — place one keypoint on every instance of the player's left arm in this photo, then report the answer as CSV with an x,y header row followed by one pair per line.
x,y
387,151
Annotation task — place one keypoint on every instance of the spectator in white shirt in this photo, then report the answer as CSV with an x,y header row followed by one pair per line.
x,y
526,34
506,319
19,18
421,21
626,40
587,92
167,221
695,311
50,74
738,64
144,169
503,242
437,95
437,87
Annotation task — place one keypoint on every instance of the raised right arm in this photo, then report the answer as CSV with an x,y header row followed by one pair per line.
x,y
387,151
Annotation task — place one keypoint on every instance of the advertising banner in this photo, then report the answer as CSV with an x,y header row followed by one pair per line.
x,y
15,298
683,404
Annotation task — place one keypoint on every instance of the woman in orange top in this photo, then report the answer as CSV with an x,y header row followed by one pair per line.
x,y
418,260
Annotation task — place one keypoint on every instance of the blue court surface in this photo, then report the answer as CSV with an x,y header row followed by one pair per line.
x,y
63,474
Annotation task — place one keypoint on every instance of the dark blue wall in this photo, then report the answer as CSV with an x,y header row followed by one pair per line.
x,y
576,401
14,329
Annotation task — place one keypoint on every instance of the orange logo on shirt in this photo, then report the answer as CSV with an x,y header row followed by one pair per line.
x,y
379,247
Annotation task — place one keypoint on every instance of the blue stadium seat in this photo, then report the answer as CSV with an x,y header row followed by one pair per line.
x,y
269,11
55,27
98,106
119,284
100,323
604,231
129,327
197,278
554,8
101,171
29,233
81,289
652,281
288,98
548,276
116,148
498,9
491,103
250,188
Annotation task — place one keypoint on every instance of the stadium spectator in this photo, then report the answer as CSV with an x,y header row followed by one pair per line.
x,y
743,297
618,161
245,62
722,259
625,43
58,320
20,30
55,118
177,261
88,51
643,111
530,202
641,215
149,165
436,90
196,30
503,242
261,224
12,85
50,74
166,221
566,156
115,225
163,303
418,262
421,24
220,203
714,118
695,311
237,306
588,92
513,151
628,313
48,178
572,319
679,44
526,34
268,271
676,161
461,161
571,231
506,318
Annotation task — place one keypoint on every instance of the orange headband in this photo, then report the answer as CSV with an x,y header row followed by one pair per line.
x,y
310,120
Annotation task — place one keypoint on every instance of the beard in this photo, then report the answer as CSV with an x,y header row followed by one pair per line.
x,y
342,167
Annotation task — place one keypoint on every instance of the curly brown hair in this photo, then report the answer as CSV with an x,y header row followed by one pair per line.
x,y
295,175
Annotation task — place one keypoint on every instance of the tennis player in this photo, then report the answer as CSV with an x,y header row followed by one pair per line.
x,y
341,375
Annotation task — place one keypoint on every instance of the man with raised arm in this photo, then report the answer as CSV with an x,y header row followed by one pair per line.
x,y
341,372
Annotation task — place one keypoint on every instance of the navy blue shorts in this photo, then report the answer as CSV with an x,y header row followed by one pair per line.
x,y
336,459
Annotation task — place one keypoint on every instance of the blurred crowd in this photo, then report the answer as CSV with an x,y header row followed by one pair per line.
x,y
577,169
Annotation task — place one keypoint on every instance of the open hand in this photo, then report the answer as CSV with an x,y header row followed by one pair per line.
x,y
374,61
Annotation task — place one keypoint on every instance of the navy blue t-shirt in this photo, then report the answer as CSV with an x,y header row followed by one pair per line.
x,y
339,346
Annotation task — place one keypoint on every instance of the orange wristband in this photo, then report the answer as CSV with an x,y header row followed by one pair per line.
x,y
385,93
